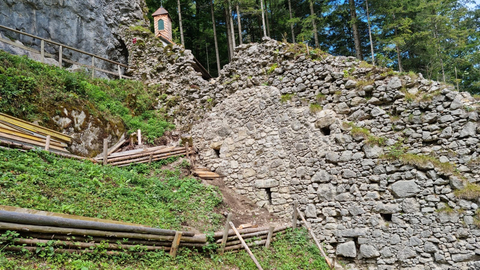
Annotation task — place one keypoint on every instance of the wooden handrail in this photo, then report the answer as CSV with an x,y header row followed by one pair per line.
x,y
64,46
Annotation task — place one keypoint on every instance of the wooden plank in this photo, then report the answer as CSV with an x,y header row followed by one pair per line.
x,y
117,145
295,215
250,230
175,243
246,246
310,231
123,163
47,143
35,128
41,139
225,234
139,137
269,237
105,151
31,142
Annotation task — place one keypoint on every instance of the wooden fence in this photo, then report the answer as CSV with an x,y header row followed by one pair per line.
x,y
60,57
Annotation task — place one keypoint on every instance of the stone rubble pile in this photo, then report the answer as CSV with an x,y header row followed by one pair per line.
x,y
373,157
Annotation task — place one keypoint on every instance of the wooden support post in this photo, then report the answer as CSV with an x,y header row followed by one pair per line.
x,y
47,143
139,137
245,246
42,50
309,229
119,72
150,159
60,56
105,151
175,244
225,234
295,215
269,237
93,67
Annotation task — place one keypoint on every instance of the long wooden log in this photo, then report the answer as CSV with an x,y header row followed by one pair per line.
x,y
236,242
246,246
250,230
251,244
36,128
129,241
75,251
146,155
146,160
223,241
310,231
31,137
73,244
140,152
245,236
31,219
29,141
83,232
27,147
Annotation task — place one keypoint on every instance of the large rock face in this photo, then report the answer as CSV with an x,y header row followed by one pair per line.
x,y
374,165
92,25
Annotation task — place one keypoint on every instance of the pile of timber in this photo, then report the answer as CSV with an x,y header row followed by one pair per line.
x,y
17,133
206,174
252,236
77,234
144,155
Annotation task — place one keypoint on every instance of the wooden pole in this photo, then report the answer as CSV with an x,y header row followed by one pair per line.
x,y
225,234
60,56
47,143
93,67
42,50
150,159
295,215
309,229
245,246
119,72
105,151
175,243
269,237
139,137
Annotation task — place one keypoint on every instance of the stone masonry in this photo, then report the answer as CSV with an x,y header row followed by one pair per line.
x,y
373,157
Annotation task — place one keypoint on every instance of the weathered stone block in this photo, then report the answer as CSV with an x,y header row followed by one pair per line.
x,y
404,189
347,249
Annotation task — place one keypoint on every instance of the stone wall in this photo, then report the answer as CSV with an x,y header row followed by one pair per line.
x,y
93,26
374,157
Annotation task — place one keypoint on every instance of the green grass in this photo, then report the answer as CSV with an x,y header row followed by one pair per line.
x,y
290,250
37,92
286,97
314,107
471,191
365,133
272,68
140,194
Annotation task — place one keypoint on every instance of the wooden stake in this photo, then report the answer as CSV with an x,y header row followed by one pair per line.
x,y
295,215
309,229
119,72
150,159
175,244
42,50
60,56
47,143
93,67
269,237
139,137
245,246
225,234
105,151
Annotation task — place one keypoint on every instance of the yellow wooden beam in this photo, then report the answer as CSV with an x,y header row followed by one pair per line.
x,y
31,137
35,128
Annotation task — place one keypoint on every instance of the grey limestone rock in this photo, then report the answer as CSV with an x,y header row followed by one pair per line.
x,y
405,188
347,249
368,251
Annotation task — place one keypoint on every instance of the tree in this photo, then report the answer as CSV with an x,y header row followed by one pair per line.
x,y
180,22
356,36
215,37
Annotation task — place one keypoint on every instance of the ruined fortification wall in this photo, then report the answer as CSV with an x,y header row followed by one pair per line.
x,y
379,161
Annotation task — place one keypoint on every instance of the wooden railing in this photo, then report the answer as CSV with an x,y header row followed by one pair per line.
x,y
61,46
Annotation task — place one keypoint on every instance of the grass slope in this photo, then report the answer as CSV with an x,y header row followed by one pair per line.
x,y
36,92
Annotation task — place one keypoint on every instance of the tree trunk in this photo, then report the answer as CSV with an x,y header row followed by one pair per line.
x,y
239,24
263,19
291,25
370,34
266,20
356,36
180,22
232,28
229,35
399,57
215,38
206,52
314,23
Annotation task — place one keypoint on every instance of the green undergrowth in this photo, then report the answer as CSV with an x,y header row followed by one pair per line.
x,y
290,250
38,92
140,194
366,134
